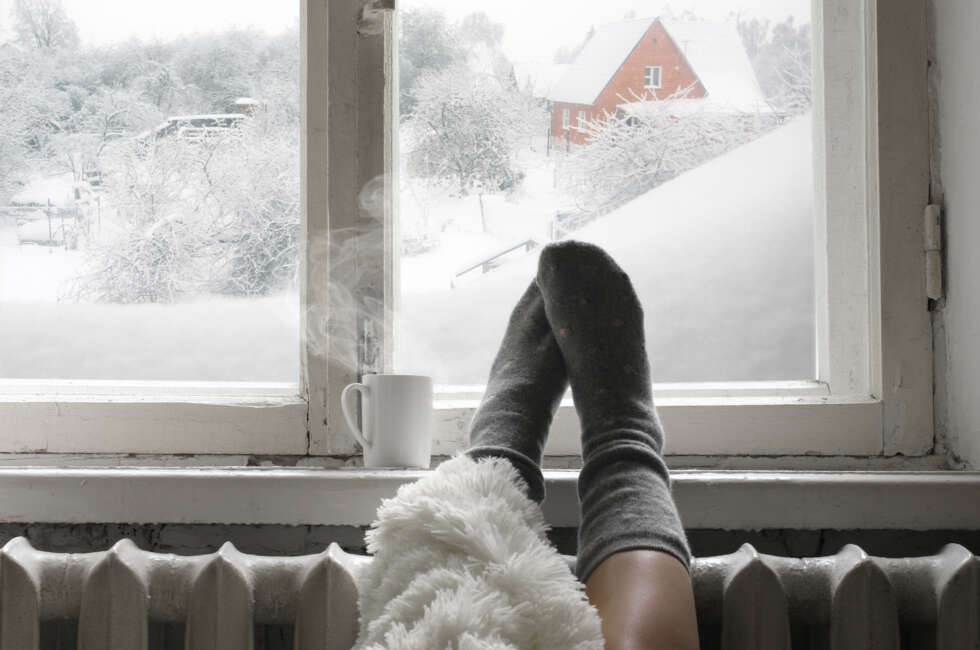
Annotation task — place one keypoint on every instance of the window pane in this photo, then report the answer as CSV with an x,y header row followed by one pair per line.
x,y
694,170
149,190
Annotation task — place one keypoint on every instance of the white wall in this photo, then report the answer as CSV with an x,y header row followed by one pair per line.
x,y
957,46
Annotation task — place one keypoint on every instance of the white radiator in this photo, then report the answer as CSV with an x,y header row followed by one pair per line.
x,y
756,601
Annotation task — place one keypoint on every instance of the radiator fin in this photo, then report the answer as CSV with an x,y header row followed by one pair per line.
x,y
958,592
20,599
755,612
863,611
115,602
221,605
757,601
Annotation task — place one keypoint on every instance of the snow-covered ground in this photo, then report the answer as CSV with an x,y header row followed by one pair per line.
x,y
522,214
211,339
40,190
722,258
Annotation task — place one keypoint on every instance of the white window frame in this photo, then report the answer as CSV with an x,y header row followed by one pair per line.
x,y
566,118
873,392
648,74
581,119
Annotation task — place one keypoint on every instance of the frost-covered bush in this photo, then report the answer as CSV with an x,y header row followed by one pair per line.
x,y
198,215
262,254
155,264
256,209
648,144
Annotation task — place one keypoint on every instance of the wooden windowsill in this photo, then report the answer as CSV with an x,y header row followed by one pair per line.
x,y
350,496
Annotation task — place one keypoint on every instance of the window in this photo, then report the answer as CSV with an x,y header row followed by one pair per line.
x,y
651,77
825,393
565,118
150,227
581,119
869,393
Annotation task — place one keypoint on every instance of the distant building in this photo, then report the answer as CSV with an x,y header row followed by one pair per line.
x,y
654,58
203,127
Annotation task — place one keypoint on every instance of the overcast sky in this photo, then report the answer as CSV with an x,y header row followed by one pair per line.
x,y
534,28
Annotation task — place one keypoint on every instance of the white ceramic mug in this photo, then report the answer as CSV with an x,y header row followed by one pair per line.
x,y
396,413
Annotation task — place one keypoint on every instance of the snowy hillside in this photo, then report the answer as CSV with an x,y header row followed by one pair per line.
x,y
722,258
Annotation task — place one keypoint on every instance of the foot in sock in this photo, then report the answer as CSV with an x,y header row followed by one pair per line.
x,y
624,485
527,381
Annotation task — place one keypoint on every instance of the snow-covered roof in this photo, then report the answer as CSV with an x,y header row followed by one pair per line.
x,y
538,77
714,51
716,54
598,61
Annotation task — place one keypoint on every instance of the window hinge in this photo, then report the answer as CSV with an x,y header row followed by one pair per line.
x,y
934,251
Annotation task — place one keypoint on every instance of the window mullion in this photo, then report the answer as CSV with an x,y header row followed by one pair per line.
x,y
315,177
349,279
842,117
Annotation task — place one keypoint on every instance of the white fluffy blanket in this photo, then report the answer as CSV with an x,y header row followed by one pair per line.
x,y
461,561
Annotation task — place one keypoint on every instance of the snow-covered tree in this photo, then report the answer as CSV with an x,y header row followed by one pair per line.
x,y
781,57
630,153
466,129
220,69
477,27
426,43
258,209
43,24
101,117
30,113
155,232
198,215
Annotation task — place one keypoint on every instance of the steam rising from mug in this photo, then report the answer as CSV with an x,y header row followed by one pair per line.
x,y
354,309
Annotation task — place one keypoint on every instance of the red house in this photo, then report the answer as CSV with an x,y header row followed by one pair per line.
x,y
654,58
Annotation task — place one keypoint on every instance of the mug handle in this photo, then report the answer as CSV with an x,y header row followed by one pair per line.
x,y
351,420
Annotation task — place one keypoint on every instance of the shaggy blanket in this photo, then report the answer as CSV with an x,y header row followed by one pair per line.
x,y
461,561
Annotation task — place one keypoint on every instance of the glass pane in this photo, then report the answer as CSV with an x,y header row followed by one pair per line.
x,y
679,141
149,190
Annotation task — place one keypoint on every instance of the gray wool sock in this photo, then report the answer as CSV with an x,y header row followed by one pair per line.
x,y
624,485
527,381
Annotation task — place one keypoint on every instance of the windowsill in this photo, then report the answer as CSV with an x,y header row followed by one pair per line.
x,y
706,499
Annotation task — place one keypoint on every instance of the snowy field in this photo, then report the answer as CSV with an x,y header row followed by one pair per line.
x,y
213,339
722,258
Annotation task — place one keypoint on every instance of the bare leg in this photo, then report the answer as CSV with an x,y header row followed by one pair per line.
x,y
645,600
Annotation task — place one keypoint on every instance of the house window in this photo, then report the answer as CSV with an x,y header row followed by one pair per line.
x,y
582,118
424,302
565,118
651,77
